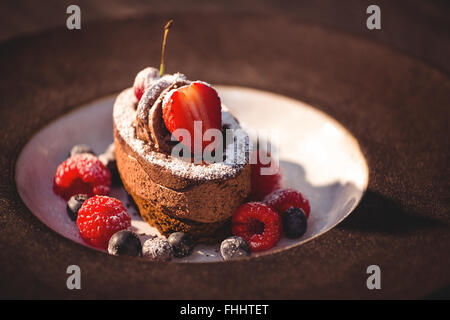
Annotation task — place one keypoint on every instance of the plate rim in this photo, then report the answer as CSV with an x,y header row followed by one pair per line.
x,y
253,256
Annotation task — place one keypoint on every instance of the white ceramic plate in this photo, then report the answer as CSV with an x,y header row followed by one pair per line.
x,y
319,157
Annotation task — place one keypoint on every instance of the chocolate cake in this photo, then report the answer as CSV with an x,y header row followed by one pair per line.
x,y
174,193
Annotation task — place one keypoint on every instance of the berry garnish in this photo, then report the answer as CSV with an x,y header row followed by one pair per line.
x,y
283,199
79,149
157,249
125,243
143,80
100,217
163,49
74,204
108,158
182,244
264,180
195,102
294,223
234,247
82,174
146,76
258,224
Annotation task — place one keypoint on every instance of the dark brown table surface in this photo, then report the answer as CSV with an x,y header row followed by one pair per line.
x,y
390,88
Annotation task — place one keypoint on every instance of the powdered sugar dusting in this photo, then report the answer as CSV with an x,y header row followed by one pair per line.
x,y
236,154
154,90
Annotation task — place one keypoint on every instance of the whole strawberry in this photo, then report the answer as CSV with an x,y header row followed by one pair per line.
x,y
99,218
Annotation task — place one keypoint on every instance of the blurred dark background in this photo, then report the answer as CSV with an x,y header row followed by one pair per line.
x,y
418,27
317,51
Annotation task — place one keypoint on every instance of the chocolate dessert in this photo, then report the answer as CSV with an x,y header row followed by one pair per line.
x,y
188,166
176,193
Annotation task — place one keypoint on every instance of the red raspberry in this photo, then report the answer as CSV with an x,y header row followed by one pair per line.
x,y
263,184
258,224
100,217
283,199
82,174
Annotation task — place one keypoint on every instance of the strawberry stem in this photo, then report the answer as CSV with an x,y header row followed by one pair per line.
x,y
166,31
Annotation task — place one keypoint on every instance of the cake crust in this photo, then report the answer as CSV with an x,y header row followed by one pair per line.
x,y
169,171
166,224
170,193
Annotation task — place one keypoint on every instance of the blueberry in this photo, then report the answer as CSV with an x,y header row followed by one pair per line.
x,y
294,223
108,158
125,243
234,247
74,204
157,249
80,148
182,244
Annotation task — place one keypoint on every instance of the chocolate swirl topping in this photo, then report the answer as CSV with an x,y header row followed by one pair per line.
x,y
149,123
